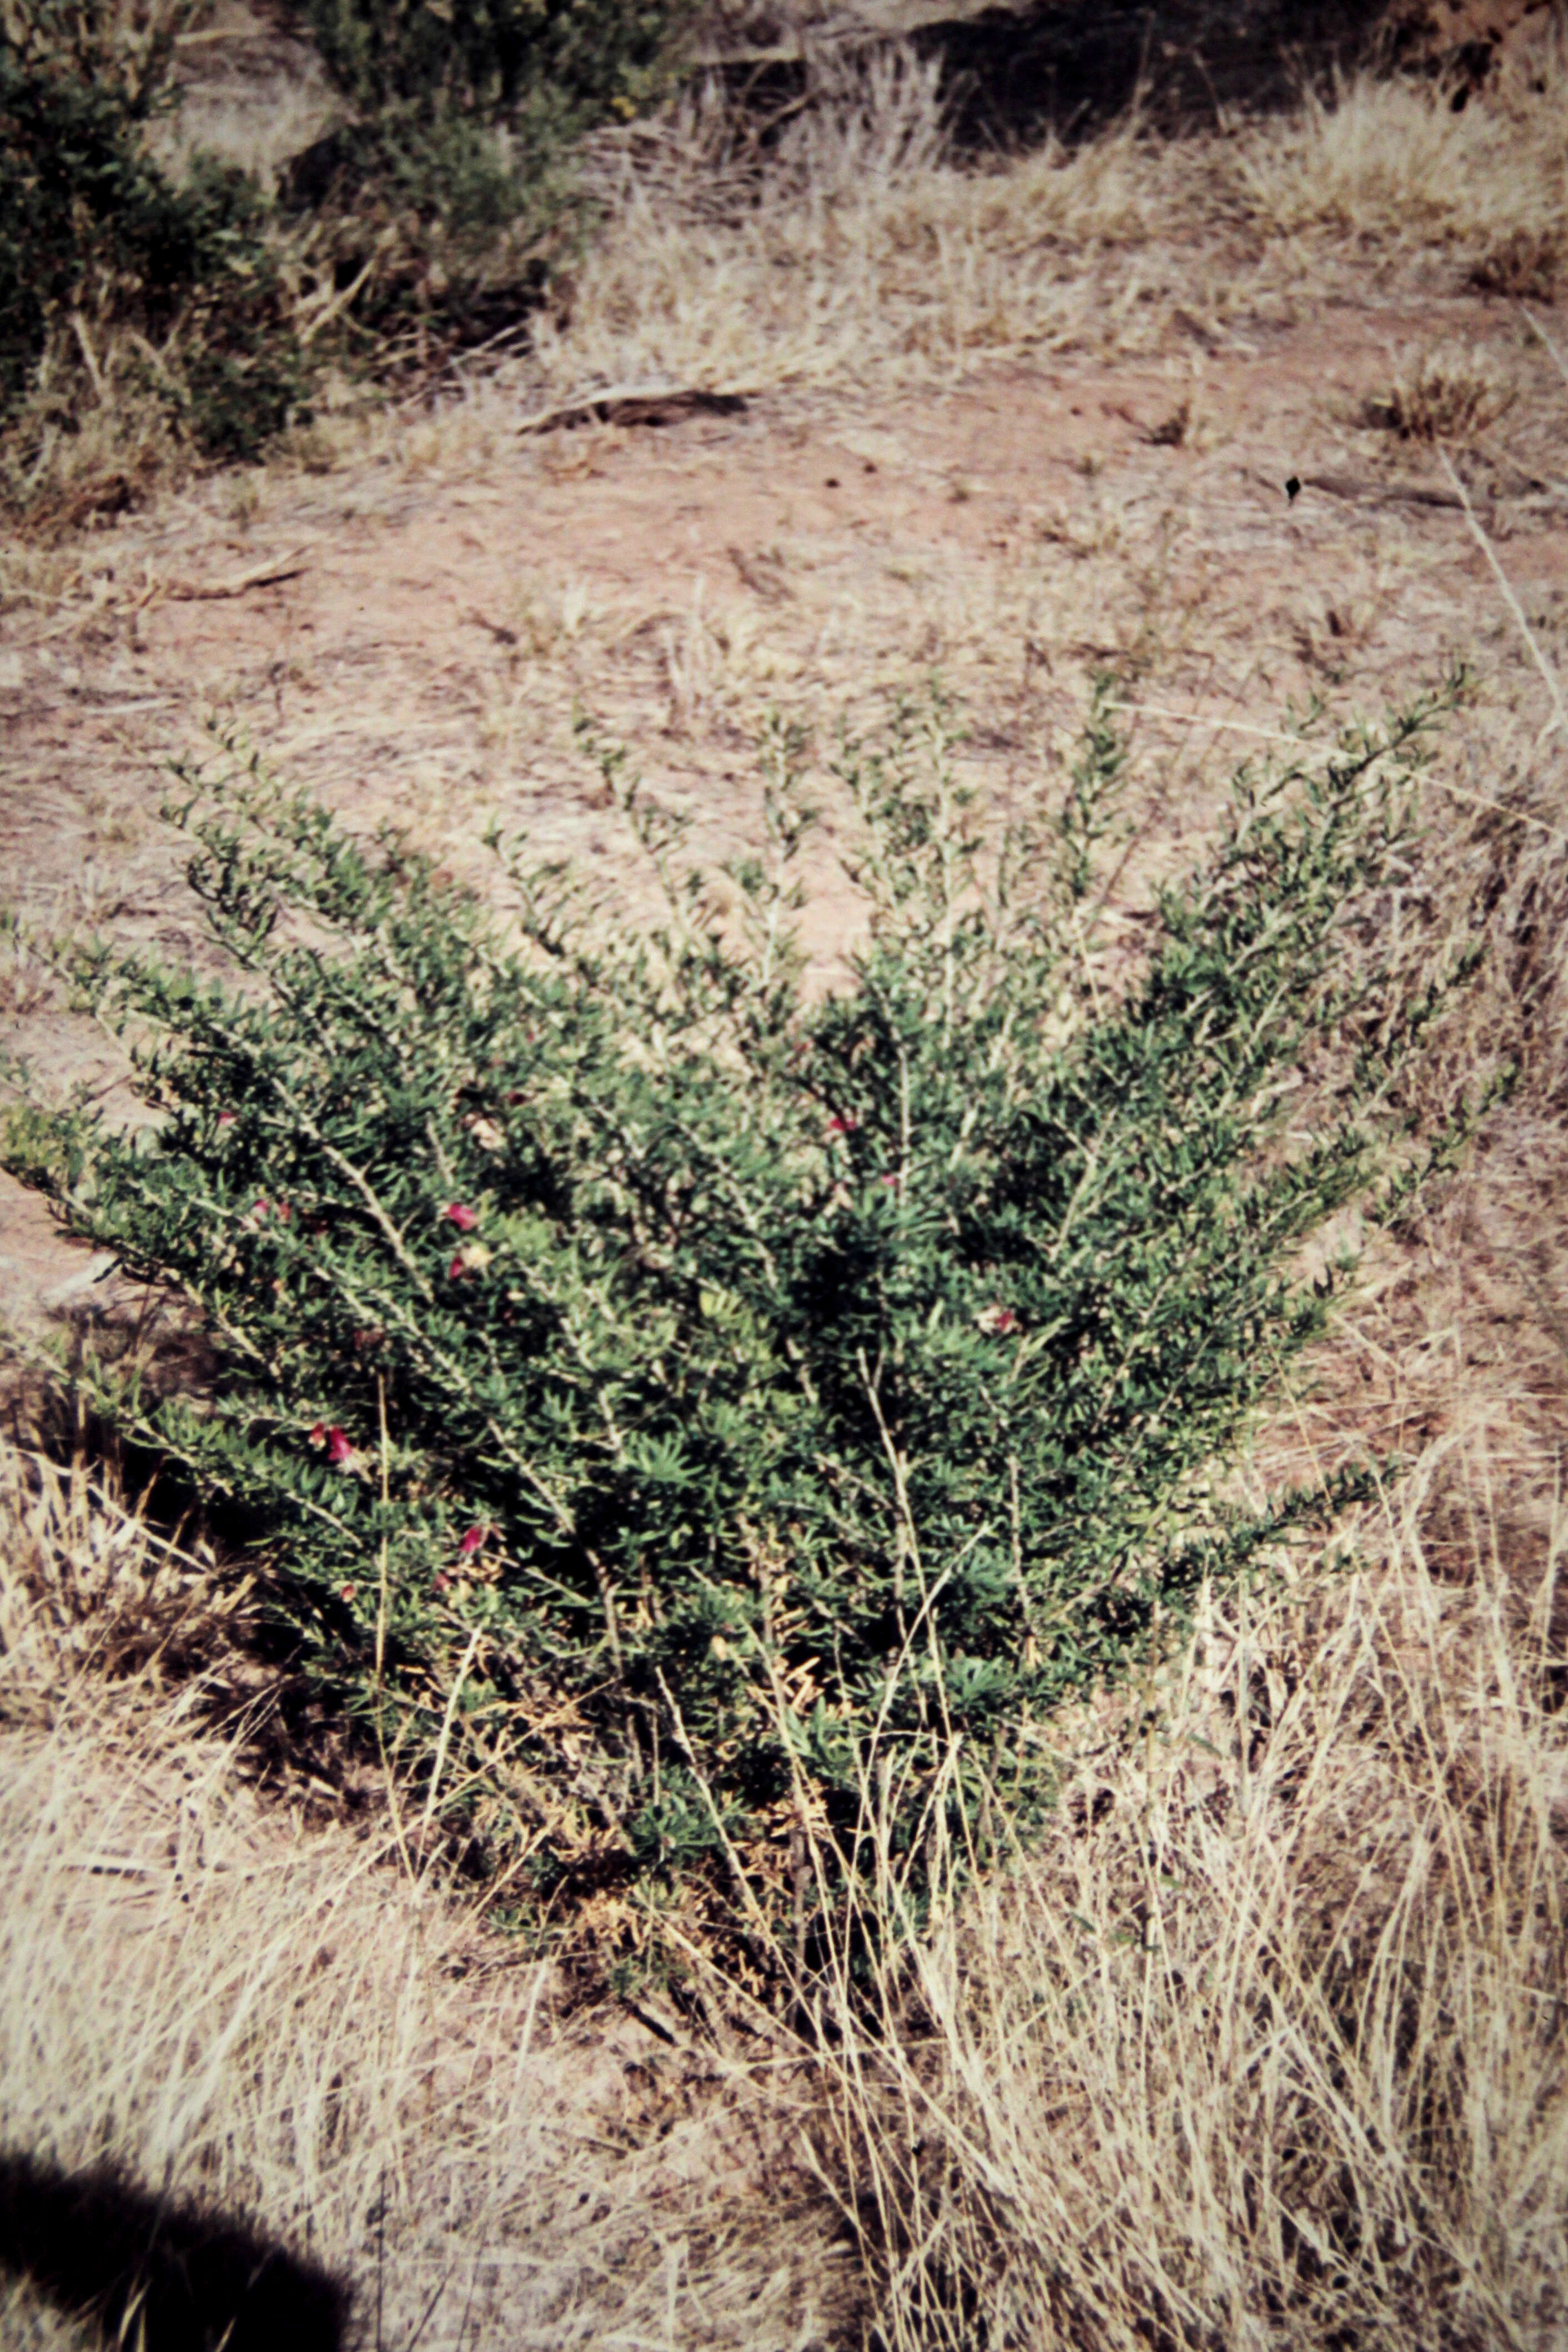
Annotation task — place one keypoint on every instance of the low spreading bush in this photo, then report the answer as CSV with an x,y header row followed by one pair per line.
x,y
695,1414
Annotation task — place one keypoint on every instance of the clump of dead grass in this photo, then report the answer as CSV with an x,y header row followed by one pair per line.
x,y
1388,164
856,244
1448,394
270,2016
859,246
1267,2045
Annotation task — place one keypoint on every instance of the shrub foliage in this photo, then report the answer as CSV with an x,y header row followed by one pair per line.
x,y
700,1410
96,239
430,207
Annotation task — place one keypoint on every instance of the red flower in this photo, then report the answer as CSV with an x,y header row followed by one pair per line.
x,y
348,1592
999,1320
225,1119
842,1123
462,1216
318,1435
475,1540
457,1270
340,1452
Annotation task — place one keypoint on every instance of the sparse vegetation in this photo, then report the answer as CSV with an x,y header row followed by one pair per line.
x,y
186,317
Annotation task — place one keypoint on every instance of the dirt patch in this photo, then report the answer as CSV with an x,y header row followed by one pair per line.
x,y
412,635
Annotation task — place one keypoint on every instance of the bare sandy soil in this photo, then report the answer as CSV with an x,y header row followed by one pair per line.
x,y
411,634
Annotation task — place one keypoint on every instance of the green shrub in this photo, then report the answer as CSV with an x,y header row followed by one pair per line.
x,y
449,185
692,1405
495,59
96,243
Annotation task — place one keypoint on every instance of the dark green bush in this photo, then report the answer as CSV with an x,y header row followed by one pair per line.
x,y
495,60
447,186
694,1406
96,240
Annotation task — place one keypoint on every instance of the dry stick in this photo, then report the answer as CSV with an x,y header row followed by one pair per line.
x,y
1514,606
382,1609
1298,744
742,1884
79,328
260,575
1532,321
441,1745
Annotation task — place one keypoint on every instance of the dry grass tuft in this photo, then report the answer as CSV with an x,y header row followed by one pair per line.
x,y
1268,2045
283,2023
858,248
1444,396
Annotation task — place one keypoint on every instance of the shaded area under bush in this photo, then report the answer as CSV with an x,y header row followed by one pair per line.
x,y
173,2278
1013,76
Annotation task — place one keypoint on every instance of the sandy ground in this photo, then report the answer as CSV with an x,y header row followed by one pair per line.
x,y
411,634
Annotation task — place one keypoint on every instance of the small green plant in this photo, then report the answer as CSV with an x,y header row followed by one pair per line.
x,y
695,1415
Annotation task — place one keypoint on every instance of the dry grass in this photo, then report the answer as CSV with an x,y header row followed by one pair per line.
x,y
857,249
860,250
278,2019
1268,2047
1264,2048
1444,396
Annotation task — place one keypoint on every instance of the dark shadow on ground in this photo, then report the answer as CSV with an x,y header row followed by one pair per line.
x,y
1014,75
168,2275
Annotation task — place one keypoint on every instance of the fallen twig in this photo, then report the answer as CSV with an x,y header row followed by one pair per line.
x,y
1561,363
637,404
1483,541
1358,486
260,575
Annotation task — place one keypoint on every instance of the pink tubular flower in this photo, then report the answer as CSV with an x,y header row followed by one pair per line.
x,y
999,1319
473,1542
457,1270
842,1123
340,1452
461,1215
348,1592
